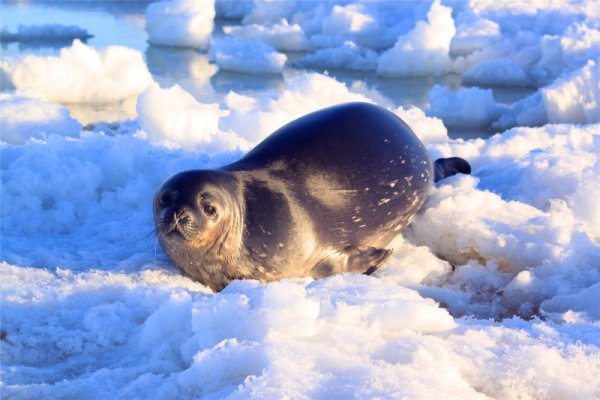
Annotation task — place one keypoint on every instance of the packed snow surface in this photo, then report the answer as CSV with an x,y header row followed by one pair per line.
x,y
491,292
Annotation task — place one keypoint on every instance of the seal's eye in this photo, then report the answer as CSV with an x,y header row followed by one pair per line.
x,y
166,198
209,210
164,201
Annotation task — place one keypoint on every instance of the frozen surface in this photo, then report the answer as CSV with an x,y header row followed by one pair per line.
x,y
518,239
491,292
424,50
80,74
155,334
574,98
180,23
468,107
347,56
282,36
247,55
174,119
24,118
44,33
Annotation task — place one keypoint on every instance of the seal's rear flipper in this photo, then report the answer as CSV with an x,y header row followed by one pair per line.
x,y
445,167
365,259
357,259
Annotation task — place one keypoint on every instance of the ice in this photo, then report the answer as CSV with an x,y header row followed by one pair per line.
x,y
233,9
44,33
528,187
347,56
80,74
24,118
180,23
255,120
498,72
574,98
468,107
491,292
424,50
347,20
157,334
174,119
474,34
281,36
428,129
268,12
250,56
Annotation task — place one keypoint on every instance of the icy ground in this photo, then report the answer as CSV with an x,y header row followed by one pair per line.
x,y
492,292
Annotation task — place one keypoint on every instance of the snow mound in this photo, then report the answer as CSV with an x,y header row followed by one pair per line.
x,y
24,118
249,56
428,129
424,50
498,72
282,36
174,119
347,56
76,187
255,119
158,334
467,107
44,33
574,98
534,235
80,74
180,23
267,12
473,35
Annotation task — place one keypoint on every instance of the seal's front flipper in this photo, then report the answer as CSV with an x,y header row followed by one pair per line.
x,y
445,167
365,259
358,259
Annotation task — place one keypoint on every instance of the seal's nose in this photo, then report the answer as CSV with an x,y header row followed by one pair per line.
x,y
182,216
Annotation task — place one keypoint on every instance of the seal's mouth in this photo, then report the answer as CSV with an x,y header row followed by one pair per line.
x,y
181,227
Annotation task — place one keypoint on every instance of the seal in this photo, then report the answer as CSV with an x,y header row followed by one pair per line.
x,y
322,195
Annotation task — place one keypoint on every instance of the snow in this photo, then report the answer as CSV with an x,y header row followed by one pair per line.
x,y
44,33
468,107
174,119
180,23
424,50
498,72
250,56
491,292
574,98
473,35
79,74
347,56
281,36
24,118
255,120
158,334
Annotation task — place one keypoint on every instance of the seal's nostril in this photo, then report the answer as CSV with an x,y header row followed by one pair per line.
x,y
181,216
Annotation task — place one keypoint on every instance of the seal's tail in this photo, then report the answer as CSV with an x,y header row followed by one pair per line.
x,y
445,167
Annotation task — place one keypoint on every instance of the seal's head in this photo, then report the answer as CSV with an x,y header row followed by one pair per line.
x,y
197,216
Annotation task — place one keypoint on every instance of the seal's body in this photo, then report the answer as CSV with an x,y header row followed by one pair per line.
x,y
322,195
